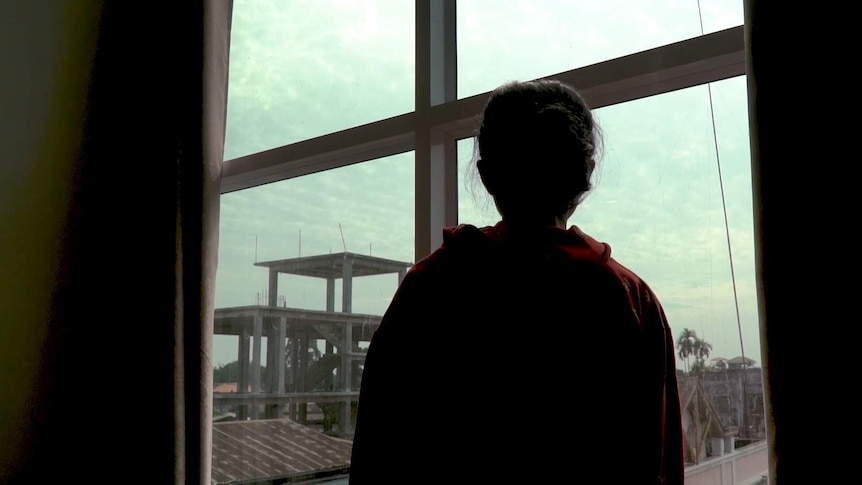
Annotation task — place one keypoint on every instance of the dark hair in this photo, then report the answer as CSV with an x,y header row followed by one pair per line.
x,y
540,141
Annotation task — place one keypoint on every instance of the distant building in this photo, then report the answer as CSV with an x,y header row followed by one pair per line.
x,y
307,388
736,390
706,435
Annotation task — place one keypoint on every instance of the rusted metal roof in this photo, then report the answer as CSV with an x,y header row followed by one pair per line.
x,y
274,449
228,387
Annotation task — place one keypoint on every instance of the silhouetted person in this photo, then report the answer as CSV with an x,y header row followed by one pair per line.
x,y
522,352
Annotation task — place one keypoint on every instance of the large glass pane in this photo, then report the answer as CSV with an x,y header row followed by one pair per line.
x,y
304,68
504,41
306,268
657,201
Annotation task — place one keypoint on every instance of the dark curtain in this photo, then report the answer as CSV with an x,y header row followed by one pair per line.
x,y
803,159
113,114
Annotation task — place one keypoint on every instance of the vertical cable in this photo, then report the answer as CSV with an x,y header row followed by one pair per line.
x,y
729,248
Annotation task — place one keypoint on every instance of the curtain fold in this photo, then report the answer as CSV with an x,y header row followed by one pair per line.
x,y
216,50
799,304
118,220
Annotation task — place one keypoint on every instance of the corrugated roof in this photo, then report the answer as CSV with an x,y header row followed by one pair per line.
x,y
274,448
738,360
228,387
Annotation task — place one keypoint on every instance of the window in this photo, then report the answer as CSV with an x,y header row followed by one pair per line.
x,y
500,42
306,268
301,69
330,164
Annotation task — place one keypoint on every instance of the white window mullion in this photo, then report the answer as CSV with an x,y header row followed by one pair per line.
x,y
436,80
449,82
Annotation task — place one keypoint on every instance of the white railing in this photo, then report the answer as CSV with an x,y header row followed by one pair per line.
x,y
745,466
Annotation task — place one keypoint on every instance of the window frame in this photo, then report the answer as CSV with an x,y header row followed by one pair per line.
x,y
440,118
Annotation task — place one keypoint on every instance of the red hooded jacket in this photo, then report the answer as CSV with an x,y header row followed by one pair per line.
x,y
520,355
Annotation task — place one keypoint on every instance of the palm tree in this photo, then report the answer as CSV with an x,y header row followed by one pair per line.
x,y
685,345
702,349
689,345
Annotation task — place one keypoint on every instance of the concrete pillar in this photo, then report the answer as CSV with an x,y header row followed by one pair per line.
x,y
276,334
347,336
347,285
717,445
256,351
267,383
303,360
279,371
303,373
294,368
346,414
254,372
243,378
347,345
273,288
346,365
330,294
281,332
268,331
330,307
729,444
401,275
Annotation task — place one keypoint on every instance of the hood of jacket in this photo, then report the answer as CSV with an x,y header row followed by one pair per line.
x,y
573,242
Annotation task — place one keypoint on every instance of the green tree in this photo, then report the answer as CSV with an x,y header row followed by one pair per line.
x,y
689,346
685,345
312,353
226,372
230,373
697,368
702,349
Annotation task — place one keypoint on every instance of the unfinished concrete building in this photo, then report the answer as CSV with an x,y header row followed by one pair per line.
x,y
294,379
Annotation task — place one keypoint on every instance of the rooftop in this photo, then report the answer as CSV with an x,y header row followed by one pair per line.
x,y
275,448
332,265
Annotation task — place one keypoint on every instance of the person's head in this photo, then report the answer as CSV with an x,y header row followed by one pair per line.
x,y
537,146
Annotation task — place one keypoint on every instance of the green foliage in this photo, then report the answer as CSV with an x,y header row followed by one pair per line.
x,y
230,373
697,368
312,354
689,346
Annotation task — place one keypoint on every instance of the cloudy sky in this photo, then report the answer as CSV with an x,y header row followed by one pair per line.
x,y
301,69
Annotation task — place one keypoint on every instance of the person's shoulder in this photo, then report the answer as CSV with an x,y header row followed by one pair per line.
x,y
643,299
457,240
430,267
639,291
628,276
601,251
625,274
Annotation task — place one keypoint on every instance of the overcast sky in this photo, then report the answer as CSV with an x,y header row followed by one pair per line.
x,y
300,69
